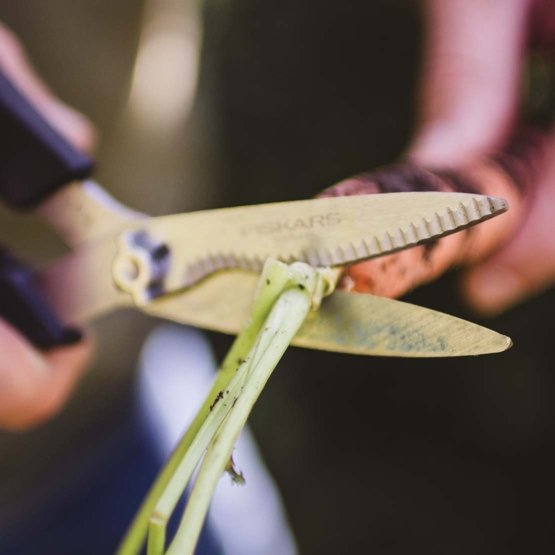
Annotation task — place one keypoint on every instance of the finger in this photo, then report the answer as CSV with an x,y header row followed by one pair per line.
x,y
34,387
17,353
470,78
71,124
509,175
526,266
22,369
521,270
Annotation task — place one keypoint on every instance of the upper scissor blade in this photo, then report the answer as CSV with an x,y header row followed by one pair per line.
x,y
322,232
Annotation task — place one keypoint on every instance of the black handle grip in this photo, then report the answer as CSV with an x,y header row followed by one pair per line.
x,y
24,308
35,160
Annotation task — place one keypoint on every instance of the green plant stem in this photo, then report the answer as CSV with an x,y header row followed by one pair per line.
x,y
135,537
275,278
180,478
156,540
286,317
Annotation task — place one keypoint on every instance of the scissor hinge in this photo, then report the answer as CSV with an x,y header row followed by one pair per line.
x,y
141,266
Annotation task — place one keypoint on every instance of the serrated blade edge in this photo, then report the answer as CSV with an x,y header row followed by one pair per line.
x,y
437,225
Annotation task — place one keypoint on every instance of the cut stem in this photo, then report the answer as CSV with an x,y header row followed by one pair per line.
x,y
180,478
281,326
234,373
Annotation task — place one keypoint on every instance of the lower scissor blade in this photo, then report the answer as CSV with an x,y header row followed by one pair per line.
x,y
346,322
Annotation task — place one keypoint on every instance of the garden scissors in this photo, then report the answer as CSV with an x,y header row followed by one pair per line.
x,y
200,268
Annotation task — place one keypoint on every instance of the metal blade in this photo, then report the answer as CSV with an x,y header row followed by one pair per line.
x,y
346,322
80,286
323,232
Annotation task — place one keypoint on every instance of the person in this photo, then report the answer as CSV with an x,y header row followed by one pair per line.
x,y
471,81
472,77
97,487
445,455
84,497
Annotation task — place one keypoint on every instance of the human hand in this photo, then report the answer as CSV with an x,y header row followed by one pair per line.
x,y
470,104
35,385
471,139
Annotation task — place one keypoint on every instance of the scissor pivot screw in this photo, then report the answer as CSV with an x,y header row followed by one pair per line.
x,y
130,269
141,266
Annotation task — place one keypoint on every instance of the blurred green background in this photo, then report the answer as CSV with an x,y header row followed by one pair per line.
x,y
371,455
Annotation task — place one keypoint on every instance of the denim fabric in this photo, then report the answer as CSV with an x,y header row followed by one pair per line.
x,y
94,500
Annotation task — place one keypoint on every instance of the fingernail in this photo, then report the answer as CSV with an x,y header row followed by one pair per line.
x,y
492,290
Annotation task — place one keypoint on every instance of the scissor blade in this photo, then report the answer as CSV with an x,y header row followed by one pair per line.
x,y
346,322
322,232
330,231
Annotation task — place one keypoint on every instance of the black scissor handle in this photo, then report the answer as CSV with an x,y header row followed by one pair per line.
x,y
35,160
24,308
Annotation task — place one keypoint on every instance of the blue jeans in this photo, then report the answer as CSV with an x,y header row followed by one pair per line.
x,y
94,502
